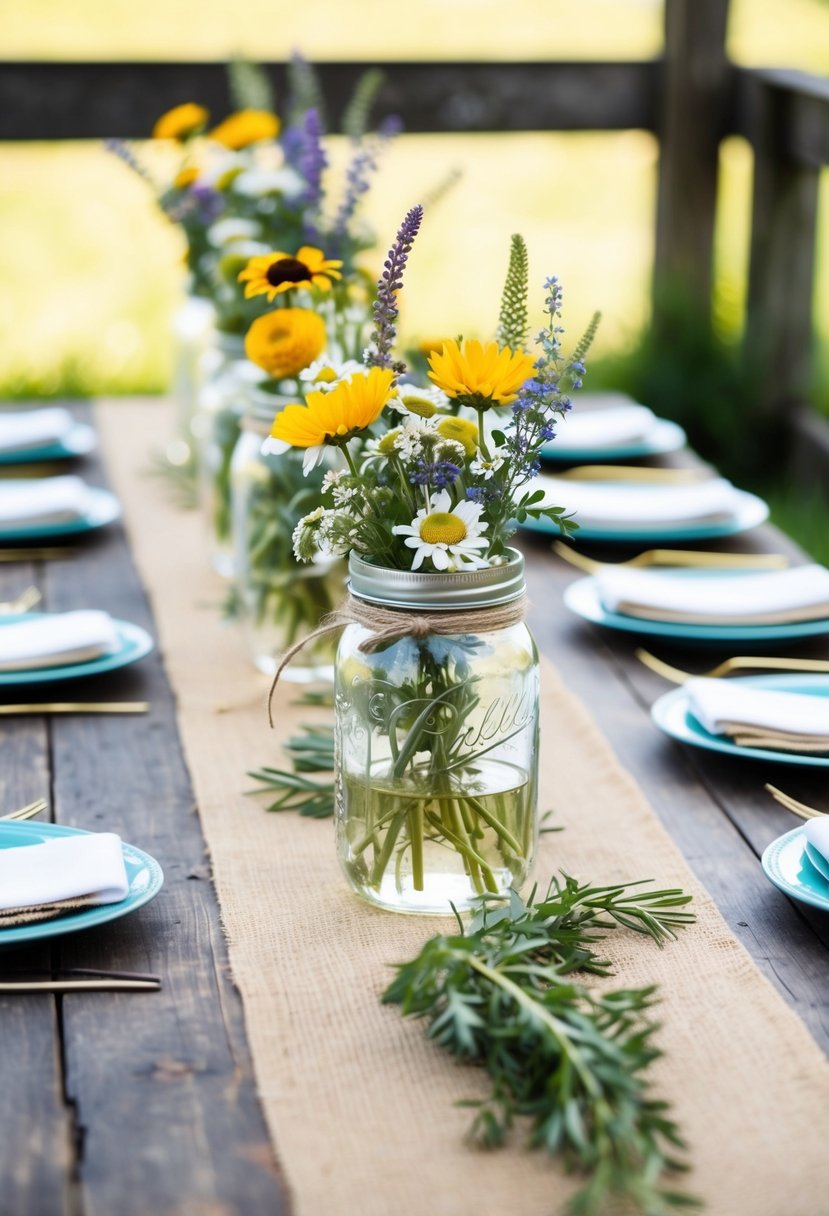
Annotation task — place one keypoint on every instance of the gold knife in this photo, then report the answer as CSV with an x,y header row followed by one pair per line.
x,y
78,707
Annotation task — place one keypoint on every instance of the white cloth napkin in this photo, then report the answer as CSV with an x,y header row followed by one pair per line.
x,y
816,832
760,717
619,506
46,500
33,428
89,866
611,426
799,594
55,638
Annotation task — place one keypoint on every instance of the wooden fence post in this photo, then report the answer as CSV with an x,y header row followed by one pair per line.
x,y
695,110
779,341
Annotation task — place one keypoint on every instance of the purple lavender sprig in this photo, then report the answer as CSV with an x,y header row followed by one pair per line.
x,y
124,152
312,164
386,311
358,178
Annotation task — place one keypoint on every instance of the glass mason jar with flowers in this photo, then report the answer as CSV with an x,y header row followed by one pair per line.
x,y
276,602
436,686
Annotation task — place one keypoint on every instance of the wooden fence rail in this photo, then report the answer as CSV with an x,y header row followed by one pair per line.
x,y
691,99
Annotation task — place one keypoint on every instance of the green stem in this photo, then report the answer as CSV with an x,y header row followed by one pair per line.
x,y
349,460
482,436
416,842
466,850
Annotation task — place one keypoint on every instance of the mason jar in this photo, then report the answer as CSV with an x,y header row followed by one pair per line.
x,y
192,327
277,601
215,428
436,739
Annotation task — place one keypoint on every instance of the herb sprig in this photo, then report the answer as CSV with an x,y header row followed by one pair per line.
x,y
310,752
568,1060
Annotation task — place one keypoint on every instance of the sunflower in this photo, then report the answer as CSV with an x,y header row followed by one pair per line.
x,y
181,123
273,273
285,341
245,127
331,418
480,375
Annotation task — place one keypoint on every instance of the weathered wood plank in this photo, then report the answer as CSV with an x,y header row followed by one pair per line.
x,y
97,100
715,810
695,114
164,1114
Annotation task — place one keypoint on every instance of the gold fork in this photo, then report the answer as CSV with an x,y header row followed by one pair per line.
x,y
26,600
36,554
738,663
634,473
692,558
801,809
27,812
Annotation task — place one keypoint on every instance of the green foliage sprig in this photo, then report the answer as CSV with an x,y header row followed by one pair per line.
x,y
357,114
311,752
513,321
249,86
568,1060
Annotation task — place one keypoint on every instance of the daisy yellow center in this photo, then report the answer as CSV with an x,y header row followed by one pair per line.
x,y
287,270
386,444
325,375
420,406
442,527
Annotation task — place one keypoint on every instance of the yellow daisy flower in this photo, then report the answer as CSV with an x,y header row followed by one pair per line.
x,y
335,416
272,273
481,374
186,178
181,122
244,128
285,341
462,431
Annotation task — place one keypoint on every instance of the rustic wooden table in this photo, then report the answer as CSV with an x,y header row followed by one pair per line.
x,y
146,1103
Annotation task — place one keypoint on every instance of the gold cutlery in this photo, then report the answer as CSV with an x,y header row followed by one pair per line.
x,y
36,554
79,980
738,663
27,812
801,809
78,707
634,474
26,600
692,558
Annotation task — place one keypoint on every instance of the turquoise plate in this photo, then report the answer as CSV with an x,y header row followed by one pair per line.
x,y
134,644
143,873
664,436
103,509
80,441
582,598
671,715
787,864
750,512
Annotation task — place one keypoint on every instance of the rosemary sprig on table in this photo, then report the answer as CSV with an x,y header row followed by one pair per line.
x,y
568,1060
311,752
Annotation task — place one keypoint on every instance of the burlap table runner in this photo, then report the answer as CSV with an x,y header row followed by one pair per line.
x,y
358,1102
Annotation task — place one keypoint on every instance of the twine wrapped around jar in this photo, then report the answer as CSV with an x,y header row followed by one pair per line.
x,y
388,625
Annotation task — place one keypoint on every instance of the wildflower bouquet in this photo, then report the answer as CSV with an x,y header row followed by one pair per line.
x,y
437,710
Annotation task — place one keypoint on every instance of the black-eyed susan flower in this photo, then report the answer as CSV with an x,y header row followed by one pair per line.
x,y
451,537
272,273
245,127
181,123
480,374
285,341
331,418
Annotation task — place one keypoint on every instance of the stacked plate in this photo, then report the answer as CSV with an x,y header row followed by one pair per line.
x,y
798,863
43,434
611,426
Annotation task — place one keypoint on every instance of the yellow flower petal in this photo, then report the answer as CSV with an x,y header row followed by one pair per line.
x,y
181,122
490,374
350,407
285,341
246,127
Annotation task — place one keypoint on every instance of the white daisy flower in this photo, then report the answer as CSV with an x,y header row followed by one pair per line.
x,y
422,402
485,466
254,183
326,372
312,456
450,536
228,231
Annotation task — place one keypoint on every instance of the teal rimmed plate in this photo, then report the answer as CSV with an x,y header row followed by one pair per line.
x,y
144,875
786,863
133,644
750,511
582,598
79,441
672,715
103,509
663,437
